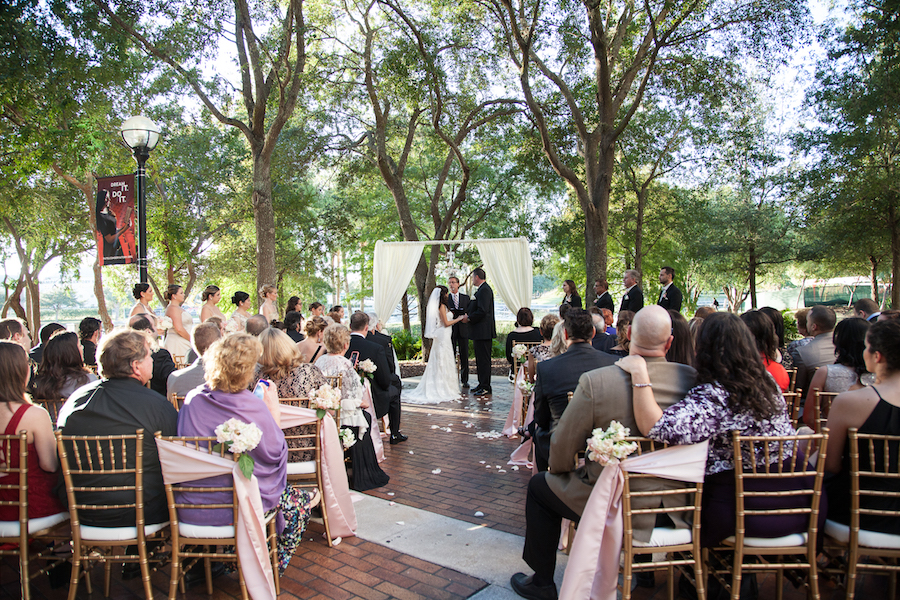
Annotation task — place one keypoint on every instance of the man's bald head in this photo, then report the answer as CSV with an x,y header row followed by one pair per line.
x,y
651,331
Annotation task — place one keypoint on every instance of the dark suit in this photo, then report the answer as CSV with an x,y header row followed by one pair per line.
x,y
482,330
605,300
381,383
460,335
603,342
671,299
633,300
385,341
163,366
557,377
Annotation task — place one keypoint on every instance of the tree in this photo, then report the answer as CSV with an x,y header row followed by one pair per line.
x,y
582,96
270,68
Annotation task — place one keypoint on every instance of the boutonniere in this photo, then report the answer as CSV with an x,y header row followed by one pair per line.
x,y
626,297
665,297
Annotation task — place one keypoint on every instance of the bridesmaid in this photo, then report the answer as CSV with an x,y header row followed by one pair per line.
x,y
211,296
268,309
238,320
178,340
144,296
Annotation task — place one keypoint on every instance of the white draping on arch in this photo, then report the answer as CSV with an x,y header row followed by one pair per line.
x,y
506,261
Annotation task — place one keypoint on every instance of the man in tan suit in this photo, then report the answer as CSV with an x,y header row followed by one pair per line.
x,y
820,352
602,395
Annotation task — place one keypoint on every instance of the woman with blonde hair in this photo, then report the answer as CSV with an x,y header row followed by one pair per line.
x,y
178,337
311,348
211,296
268,309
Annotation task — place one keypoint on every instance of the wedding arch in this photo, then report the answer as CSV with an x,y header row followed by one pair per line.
x,y
507,262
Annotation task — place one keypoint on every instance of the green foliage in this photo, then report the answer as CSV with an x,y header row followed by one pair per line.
x,y
407,345
791,332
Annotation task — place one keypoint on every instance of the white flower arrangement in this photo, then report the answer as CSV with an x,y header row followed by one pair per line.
x,y
519,351
324,398
366,369
347,438
609,447
526,386
164,323
239,438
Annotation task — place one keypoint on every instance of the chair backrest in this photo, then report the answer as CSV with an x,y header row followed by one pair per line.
x,y
51,406
179,360
206,444
822,406
874,477
87,461
334,381
304,403
311,435
176,400
792,374
783,463
524,359
11,485
794,401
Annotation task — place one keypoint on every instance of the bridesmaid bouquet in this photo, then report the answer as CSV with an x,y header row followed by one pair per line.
x,y
347,438
164,324
324,398
239,438
366,369
609,447
519,351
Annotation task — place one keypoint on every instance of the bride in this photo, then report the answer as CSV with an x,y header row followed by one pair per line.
x,y
440,382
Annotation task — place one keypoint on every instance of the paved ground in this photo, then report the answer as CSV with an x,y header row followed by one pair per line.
x,y
447,535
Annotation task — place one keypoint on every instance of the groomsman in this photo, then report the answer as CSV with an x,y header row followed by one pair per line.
x,y
483,329
458,303
633,298
604,298
670,296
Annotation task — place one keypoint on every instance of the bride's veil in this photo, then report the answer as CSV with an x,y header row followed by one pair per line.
x,y
432,313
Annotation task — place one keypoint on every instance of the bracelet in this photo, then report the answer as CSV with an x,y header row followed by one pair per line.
x,y
640,385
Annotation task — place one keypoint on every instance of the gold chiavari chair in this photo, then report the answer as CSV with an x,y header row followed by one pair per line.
x,y
792,373
798,488
822,406
25,538
88,463
51,406
334,381
179,360
176,400
517,361
794,402
193,543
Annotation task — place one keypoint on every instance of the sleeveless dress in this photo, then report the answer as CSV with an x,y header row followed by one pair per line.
x,y
42,502
440,382
175,344
884,419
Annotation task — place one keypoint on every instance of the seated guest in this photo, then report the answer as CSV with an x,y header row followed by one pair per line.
x,y
763,331
293,322
866,308
121,404
47,332
694,325
163,365
781,353
849,364
734,393
20,415
282,364
542,351
602,395
89,334
704,311
622,342
889,315
182,381
256,325
601,341
365,474
558,339
792,348
524,332
873,409
230,363
558,376
682,348
61,371
819,352
311,348
15,330
608,319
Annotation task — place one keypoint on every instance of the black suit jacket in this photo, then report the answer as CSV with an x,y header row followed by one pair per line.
x,y
671,299
382,376
633,300
558,376
603,341
385,341
481,314
605,300
460,330
163,365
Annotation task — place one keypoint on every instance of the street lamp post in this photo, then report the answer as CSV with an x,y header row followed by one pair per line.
x,y
141,135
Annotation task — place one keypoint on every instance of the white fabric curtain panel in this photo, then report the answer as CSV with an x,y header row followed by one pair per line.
x,y
395,264
507,263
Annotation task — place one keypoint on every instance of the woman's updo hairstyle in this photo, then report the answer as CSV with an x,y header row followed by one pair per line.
x,y
209,292
265,289
239,297
171,291
138,289
884,337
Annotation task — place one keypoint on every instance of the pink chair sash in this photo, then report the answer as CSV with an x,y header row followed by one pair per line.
x,y
336,495
593,568
511,427
376,424
180,464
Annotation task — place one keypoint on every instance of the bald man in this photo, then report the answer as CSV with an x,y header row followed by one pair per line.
x,y
602,395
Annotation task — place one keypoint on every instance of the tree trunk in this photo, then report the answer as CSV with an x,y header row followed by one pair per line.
x,y
264,219
404,312
895,253
14,300
873,277
752,276
596,211
639,229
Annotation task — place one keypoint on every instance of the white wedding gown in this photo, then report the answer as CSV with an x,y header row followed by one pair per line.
x,y
440,382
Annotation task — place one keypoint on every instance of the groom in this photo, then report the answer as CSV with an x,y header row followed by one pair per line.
x,y
482,329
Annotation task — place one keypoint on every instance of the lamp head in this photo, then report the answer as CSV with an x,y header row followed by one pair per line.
x,y
140,132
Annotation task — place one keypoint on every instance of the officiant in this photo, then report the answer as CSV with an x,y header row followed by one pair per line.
x,y
458,303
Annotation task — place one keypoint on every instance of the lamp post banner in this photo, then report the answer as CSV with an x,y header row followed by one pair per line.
x,y
115,220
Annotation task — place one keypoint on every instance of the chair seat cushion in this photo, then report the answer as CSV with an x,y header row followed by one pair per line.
x,y
11,528
869,539
667,536
307,467
111,534
785,541
214,532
